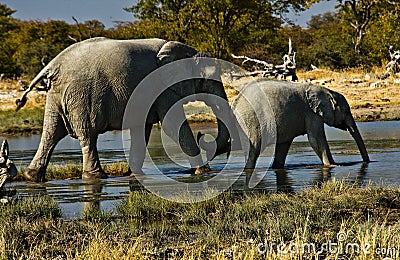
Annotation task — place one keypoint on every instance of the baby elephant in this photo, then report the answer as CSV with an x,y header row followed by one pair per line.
x,y
298,109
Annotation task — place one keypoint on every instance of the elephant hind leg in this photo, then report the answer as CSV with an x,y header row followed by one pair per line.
x,y
53,131
92,170
281,151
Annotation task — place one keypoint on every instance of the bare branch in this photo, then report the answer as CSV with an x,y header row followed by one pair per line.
x,y
247,59
288,68
72,38
79,28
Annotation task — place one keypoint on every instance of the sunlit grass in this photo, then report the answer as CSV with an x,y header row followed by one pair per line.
x,y
68,172
230,226
368,103
23,122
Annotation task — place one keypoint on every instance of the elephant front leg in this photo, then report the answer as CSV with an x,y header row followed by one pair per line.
x,y
53,131
254,138
137,151
253,154
184,137
92,170
179,130
173,120
281,151
320,145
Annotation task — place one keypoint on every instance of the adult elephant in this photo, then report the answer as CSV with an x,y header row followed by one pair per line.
x,y
89,85
296,109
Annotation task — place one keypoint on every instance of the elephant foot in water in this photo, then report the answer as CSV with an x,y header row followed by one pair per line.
x,y
136,174
202,169
35,175
94,176
196,171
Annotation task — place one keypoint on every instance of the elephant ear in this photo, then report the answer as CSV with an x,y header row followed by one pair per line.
x,y
173,51
322,102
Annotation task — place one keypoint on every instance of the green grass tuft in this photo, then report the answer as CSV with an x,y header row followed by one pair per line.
x,y
22,122
68,172
229,226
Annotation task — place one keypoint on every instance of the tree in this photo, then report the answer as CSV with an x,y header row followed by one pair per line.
x,y
360,14
223,25
216,26
87,30
6,21
329,47
382,32
169,17
8,66
124,31
37,43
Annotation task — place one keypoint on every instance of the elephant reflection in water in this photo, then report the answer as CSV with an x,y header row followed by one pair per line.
x,y
322,174
283,181
92,195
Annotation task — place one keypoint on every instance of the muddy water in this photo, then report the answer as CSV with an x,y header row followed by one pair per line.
x,y
303,167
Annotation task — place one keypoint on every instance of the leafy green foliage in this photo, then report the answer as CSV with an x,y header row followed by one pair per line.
x,y
219,27
361,14
326,46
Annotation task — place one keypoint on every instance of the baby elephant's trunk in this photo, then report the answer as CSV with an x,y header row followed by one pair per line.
x,y
220,146
352,127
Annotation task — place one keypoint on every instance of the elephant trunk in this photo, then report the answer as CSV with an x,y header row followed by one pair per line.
x,y
222,140
352,127
222,143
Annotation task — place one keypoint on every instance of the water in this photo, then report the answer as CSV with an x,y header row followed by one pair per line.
x,y
303,168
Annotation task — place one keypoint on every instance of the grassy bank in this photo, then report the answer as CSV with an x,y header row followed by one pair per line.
x,y
23,122
371,99
231,226
68,172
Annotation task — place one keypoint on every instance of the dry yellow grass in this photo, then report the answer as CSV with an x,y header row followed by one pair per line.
x,y
358,87
11,90
370,97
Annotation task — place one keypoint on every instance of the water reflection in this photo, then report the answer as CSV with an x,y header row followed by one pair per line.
x,y
283,181
303,168
92,197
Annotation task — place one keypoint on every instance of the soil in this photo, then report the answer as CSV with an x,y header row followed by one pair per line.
x,y
370,98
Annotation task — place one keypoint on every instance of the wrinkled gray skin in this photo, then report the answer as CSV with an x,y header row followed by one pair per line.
x,y
89,86
298,109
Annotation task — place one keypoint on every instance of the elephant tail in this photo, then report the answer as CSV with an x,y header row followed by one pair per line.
x,y
44,74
